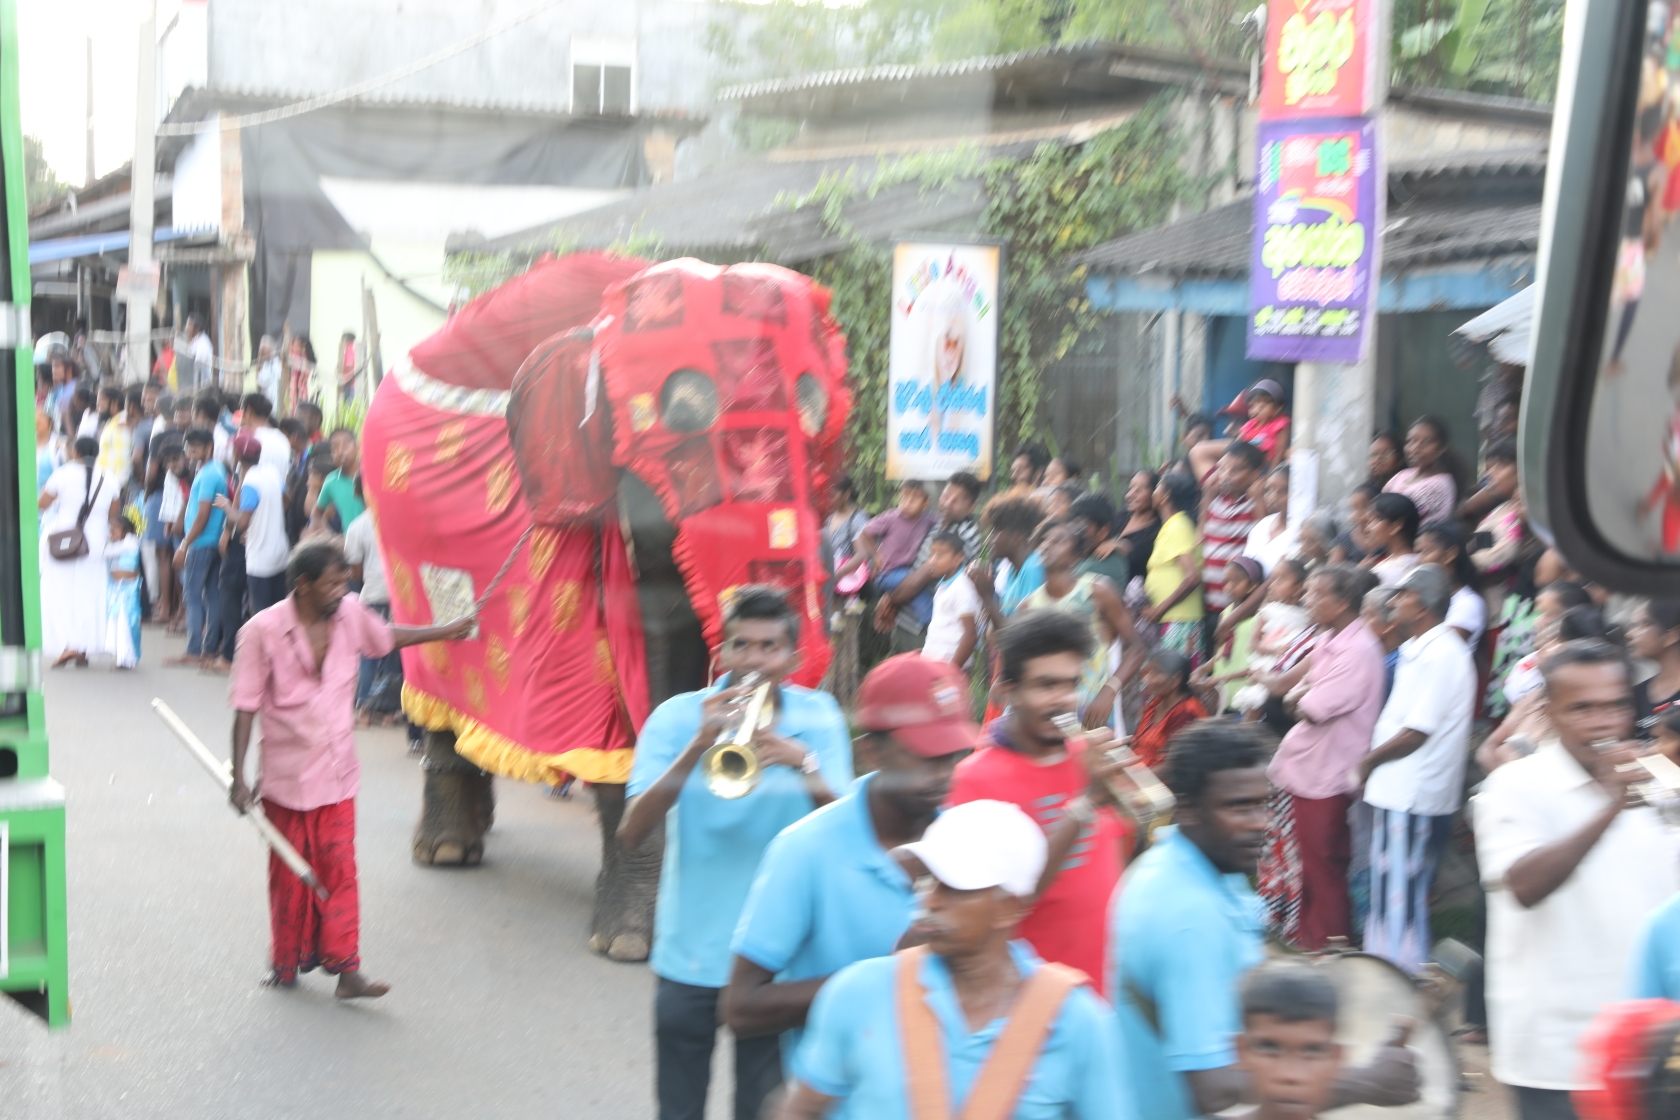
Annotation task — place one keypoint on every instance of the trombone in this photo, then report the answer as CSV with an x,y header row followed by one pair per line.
x,y
730,767
1142,796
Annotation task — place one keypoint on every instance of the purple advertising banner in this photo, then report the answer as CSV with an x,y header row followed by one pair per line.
x,y
1318,214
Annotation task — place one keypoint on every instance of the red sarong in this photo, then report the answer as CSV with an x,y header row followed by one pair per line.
x,y
307,932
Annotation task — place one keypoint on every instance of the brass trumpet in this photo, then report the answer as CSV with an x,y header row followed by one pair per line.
x,y
730,766
1142,797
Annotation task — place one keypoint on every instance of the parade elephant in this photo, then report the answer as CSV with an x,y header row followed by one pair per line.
x,y
598,454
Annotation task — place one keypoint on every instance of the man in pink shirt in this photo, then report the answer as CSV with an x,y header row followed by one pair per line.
x,y
1314,765
295,666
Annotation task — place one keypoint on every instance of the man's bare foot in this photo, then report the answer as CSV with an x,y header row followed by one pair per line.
x,y
273,980
218,665
185,660
353,985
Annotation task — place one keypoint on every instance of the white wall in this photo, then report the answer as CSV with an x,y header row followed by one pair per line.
x,y
342,42
197,198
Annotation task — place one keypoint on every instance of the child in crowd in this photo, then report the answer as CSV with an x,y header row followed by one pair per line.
x,y
1282,621
1218,680
892,538
1288,1043
955,626
122,592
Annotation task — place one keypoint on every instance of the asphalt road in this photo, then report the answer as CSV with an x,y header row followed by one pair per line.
x,y
497,1008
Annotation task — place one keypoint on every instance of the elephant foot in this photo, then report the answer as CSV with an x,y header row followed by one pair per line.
x,y
622,928
628,947
447,853
457,807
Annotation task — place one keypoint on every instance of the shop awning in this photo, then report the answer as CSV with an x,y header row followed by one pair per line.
x,y
92,244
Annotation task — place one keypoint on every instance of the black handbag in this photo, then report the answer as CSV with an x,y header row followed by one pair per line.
x,y
71,544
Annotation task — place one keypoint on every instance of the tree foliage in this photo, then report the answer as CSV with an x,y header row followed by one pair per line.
x,y
44,185
1509,47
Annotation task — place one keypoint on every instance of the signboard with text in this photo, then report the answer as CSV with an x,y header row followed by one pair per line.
x,y
1318,209
1321,59
942,366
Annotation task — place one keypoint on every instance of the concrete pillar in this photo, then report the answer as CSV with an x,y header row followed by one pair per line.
x,y
1333,416
234,275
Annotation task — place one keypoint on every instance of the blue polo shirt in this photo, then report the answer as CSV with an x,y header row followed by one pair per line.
x,y
1654,969
827,895
852,1049
209,483
712,846
1183,934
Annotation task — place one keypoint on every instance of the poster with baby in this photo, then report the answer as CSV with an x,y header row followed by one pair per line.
x,y
942,364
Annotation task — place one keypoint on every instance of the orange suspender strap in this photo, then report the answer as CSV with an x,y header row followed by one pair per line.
x,y
1011,1061
924,1050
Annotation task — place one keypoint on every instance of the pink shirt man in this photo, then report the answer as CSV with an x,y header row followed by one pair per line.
x,y
1344,697
306,718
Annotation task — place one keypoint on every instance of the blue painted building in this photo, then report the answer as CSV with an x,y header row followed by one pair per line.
x,y
1460,237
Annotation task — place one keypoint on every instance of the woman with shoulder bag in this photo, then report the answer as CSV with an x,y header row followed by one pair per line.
x,y
75,508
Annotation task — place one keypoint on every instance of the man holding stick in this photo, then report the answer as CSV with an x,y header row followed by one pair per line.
x,y
296,666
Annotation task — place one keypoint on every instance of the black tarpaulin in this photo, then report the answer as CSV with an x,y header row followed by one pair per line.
x,y
291,217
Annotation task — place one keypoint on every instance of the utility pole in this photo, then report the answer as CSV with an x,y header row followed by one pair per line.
x,y
142,274
87,179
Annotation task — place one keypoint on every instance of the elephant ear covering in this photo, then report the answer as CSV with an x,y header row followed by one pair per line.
x,y
728,399
556,683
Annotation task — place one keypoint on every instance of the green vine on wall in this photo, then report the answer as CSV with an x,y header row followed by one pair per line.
x,y
1046,208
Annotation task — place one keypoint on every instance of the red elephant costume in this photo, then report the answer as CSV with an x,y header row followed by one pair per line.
x,y
722,389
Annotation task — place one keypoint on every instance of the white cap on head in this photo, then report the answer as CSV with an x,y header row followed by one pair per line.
x,y
981,844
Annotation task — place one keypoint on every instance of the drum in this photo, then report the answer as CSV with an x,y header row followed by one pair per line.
x,y
1373,993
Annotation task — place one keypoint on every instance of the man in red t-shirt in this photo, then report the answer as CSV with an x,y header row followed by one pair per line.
x,y
1024,760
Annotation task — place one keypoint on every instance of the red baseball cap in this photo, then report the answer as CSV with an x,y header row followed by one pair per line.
x,y
246,447
922,702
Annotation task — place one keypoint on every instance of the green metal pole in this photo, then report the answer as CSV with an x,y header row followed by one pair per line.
x,y
31,803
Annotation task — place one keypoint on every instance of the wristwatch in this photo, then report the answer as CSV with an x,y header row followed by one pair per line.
x,y
808,765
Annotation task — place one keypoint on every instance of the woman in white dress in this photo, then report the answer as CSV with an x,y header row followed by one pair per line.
x,y
73,591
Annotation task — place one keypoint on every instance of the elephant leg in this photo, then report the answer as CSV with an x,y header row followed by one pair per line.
x,y
456,807
622,927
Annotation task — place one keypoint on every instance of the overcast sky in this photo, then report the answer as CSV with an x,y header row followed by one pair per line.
x,y
53,70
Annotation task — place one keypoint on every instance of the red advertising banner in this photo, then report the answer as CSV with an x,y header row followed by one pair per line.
x,y
1321,59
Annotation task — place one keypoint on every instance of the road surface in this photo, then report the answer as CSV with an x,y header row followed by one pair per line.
x,y
497,1008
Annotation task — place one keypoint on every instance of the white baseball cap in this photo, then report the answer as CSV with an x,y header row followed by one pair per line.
x,y
981,844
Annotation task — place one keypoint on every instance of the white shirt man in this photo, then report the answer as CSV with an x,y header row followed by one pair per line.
x,y
203,355
1414,775
276,448
1573,866
266,545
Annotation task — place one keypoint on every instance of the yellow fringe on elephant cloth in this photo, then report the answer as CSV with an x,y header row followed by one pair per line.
x,y
490,750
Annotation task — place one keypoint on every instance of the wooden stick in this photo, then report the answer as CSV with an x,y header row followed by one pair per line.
x,y
223,773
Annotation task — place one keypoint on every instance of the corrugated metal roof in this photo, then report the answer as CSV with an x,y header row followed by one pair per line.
x,y
1044,75
1219,243
745,208
1468,205
985,64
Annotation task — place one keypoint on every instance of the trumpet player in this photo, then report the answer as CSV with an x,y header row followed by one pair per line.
x,y
1574,862
713,844
834,889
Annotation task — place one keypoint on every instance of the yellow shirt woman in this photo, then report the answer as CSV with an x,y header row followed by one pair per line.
x,y
1177,537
